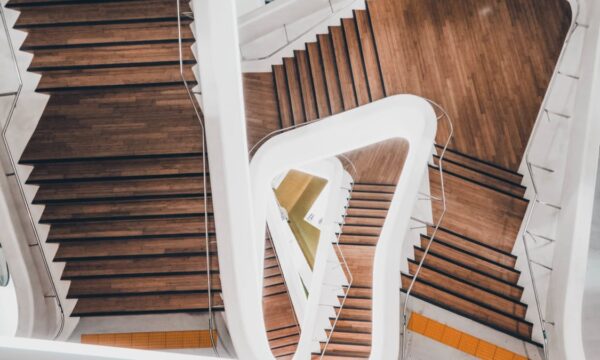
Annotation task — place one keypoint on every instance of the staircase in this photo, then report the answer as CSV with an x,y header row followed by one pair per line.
x,y
118,157
470,269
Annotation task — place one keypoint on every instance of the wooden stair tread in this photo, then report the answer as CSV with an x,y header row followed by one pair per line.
x,y
116,168
306,85
80,288
369,204
369,52
318,79
138,266
331,73
358,239
356,61
283,97
348,350
343,67
125,189
118,210
145,304
129,229
94,249
475,311
293,86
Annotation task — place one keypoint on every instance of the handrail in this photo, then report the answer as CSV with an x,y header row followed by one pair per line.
x,y
15,173
445,115
544,111
343,260
288,41
211,317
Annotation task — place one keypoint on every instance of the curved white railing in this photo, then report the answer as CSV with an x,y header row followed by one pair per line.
x,y
13,172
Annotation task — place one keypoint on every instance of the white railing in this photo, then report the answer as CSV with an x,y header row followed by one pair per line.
x,y
13,172
443,115
538,200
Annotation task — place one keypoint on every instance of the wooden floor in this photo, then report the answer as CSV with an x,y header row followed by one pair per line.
x,y
118,158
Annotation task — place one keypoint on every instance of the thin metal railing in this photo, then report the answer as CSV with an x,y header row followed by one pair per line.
x,y
211,316
343,260
13,172
443,115
544,112
288,41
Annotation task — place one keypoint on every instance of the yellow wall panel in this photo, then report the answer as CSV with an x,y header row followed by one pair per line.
x,y
153,340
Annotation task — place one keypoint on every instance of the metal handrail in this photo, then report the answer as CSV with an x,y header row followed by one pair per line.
x,y
15,173
288,41
212,327
343,260
544,111
445,115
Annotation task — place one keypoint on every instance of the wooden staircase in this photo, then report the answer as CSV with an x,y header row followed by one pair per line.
x,y
470,269
118,157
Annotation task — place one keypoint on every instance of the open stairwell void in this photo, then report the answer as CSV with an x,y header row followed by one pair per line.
x,y
118,156
470,269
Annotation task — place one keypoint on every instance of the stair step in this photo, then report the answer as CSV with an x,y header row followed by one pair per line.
x,y
107,34
363,195
375,188
363,221
471,275
108,56
347,350
283,96
137,266
334,92
357,64
340,337
93,13
357,292
343,67
482,166
293,85
360,263
445,282
361,230
284,351
473,246
121,189
152,73
473,261
121,210
306,85
473,310
489,180
94,249
291,340
116,168
353,326
318,79
369,52
145,304
357,303
358,240
354,314
374,213
136,285
117,230
282,332
369,204
274,290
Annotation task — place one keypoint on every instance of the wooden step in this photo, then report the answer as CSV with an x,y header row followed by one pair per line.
x,y
92,13
317,71
376,188
283,96
348,350
360,195
357,303
293,86
340,337
136,285
334,92
121,189
369,204
285,342
283,332
464,243
360,262
348,313
499,302
133,248
472,260
472,174
306,85
107,34
128,229
482,166
357,64
343,67
117,168
353,326
108,56
186,264
471,275
361,230
363,221
473,310
358,239
369,52
360,292
145,304
374,213
152,73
